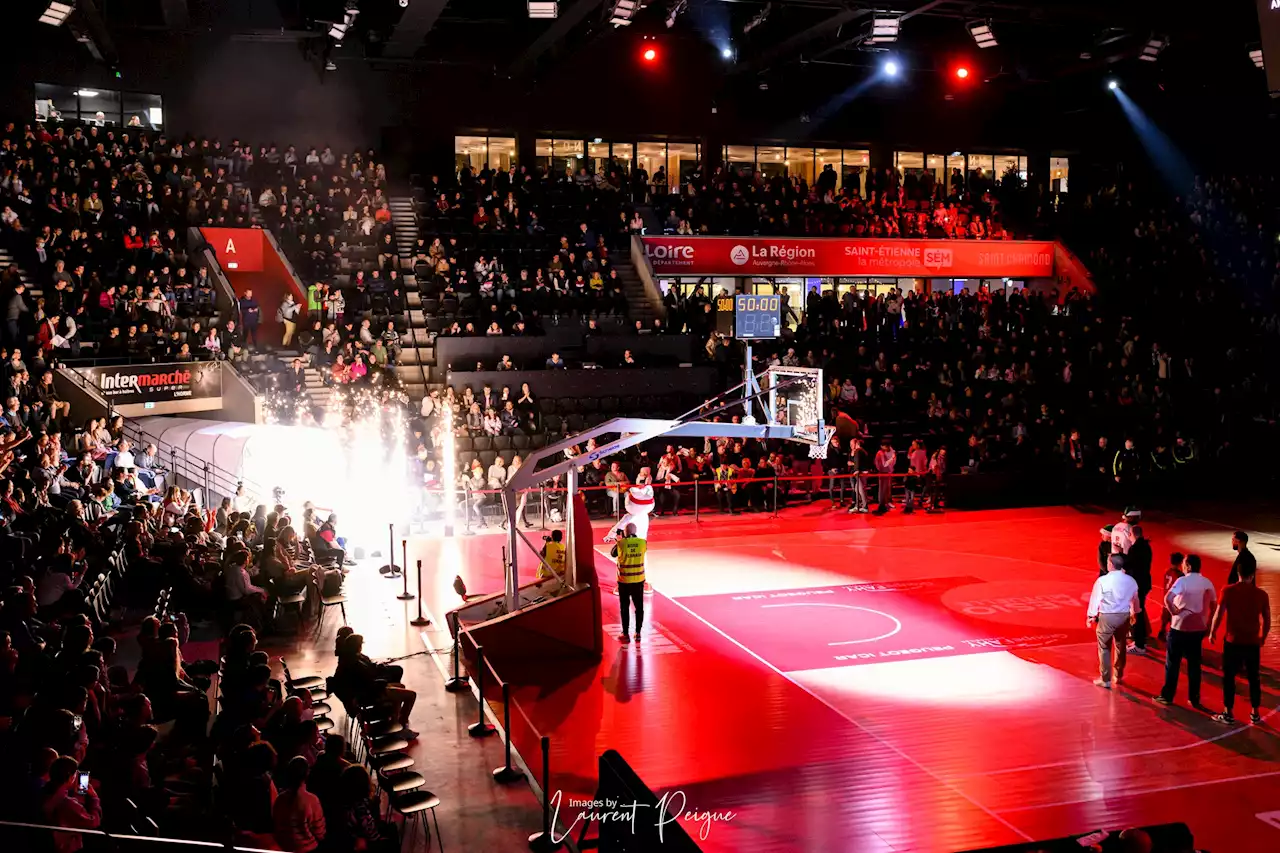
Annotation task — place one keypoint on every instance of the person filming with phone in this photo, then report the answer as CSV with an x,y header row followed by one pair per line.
x,y
70,802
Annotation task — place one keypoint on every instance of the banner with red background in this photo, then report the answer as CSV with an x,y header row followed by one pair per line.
x,y
237,249
825,257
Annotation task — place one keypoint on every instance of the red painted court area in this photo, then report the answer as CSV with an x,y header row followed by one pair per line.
x,y
919,683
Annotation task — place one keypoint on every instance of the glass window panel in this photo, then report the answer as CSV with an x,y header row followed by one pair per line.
x,y
502,152
650,156
143,110
824,157
55,102
470,151
908,160
623,154
740,158
800,162
1058,173
569,153
770,160
597,156
100,107
682,160
1004,164
936,164
853,171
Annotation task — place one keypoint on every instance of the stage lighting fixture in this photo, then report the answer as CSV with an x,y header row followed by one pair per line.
x,y
650,55
758,19
727,53
1113,85
673,12
891,69
539,9
86,93
1256,56
884,29
622,11
404,4
1153,48
962,72
983,36
55,15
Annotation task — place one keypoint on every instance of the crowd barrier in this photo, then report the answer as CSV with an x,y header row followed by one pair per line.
x,y
467,650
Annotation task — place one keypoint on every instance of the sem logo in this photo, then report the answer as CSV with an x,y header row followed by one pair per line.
x,y
937,258
739,255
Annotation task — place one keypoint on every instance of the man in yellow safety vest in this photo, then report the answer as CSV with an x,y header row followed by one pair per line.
x,y
630,553
553,556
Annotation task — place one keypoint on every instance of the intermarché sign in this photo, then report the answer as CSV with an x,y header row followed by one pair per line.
x,y
156,383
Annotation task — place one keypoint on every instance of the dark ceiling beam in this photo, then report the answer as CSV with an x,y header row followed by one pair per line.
x,y
552,35
176,14
906,16
788,47
95,27
417,20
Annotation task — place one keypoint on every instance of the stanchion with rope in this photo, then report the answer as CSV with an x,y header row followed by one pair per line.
x,y
466,509
480,728
544,841
420,620
390,569
507,773
459,682
404,560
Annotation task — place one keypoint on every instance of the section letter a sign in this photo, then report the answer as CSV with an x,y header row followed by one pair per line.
x,y
238,249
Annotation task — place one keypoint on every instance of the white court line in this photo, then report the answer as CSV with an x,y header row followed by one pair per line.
x,y
886,744
894,620
1130,794
1140,754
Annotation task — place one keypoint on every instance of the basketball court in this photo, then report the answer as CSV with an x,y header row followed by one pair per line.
x,y
898,683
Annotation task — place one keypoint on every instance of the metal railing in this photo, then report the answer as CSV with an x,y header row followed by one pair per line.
x,y
195,472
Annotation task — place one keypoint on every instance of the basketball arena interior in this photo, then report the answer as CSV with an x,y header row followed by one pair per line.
x,y
646,427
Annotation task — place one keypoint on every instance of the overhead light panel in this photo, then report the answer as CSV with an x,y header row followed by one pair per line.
x,y
1256,56
982,34
56,14
86,93
544,9
623,11
884,28
1153,48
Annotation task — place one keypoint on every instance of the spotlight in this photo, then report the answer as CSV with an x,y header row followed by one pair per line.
x,y
538,9
404,4
983,36
1256,56
1112,84
891,69
727,52
650,55
962,72
55,15
1153,48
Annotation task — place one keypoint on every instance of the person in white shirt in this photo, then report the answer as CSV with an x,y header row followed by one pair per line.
x,y
1122,532
1192,600
124,456
1113,605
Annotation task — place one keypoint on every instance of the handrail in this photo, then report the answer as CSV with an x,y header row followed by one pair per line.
x,y
640,260
195,237
197,471
125,836
288,264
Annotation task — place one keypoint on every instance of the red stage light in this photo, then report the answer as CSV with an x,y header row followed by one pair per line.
x,y
650,55
962,72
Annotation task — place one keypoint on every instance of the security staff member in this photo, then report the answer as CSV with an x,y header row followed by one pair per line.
x,y
630,553
553,556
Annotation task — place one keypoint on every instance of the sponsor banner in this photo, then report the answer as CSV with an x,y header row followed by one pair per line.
x,y
820,256
237,249
157,383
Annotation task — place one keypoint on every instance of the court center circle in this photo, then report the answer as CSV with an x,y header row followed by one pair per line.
x,y
897,626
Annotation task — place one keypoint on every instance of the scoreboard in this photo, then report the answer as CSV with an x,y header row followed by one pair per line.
x,y
757,317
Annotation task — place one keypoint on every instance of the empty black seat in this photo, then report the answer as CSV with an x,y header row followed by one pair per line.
x,y
502,442
482,443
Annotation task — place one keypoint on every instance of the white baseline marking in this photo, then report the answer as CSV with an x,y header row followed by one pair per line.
x,y
897,626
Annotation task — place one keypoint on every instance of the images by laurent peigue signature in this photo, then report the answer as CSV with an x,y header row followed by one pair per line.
x,y
671,807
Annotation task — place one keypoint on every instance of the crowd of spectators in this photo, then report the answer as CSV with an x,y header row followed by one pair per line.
x,y
104,718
